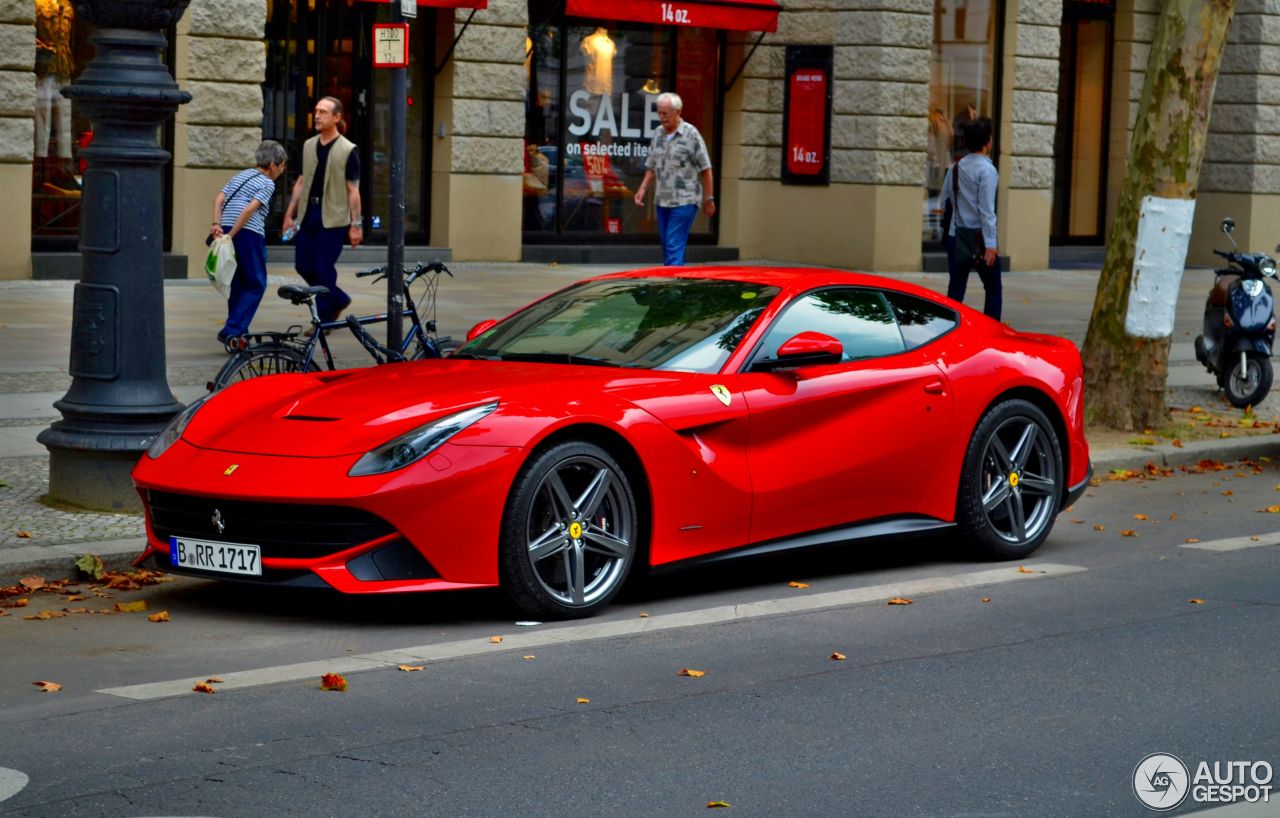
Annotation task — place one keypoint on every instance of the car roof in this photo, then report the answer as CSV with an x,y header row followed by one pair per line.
x,y
786,278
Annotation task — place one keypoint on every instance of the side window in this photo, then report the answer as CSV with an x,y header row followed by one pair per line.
x,y
921,320
860,319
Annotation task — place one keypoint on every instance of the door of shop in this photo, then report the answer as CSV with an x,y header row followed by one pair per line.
x,y
1084,104
319,48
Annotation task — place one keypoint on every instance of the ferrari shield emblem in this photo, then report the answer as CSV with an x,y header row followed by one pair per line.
x,y
231,469
721,393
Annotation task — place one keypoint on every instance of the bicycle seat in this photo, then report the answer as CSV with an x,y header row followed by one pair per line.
x,y
300,295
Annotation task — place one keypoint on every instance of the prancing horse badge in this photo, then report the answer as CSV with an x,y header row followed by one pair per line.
x,y
721,393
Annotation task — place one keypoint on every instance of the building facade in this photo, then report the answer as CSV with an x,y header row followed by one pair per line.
x,y
830,122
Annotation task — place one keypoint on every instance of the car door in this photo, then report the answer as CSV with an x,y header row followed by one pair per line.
x,y
836,443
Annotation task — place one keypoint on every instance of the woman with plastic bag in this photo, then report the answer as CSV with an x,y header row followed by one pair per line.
x,y
239,214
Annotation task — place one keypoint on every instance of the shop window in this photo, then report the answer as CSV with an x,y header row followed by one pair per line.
x,y
962,87
591,113
61,130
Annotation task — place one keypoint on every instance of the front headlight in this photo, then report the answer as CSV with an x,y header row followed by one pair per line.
x,y
1267,266
413,446
170,434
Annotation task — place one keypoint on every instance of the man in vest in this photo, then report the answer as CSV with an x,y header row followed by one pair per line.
x,y
327,210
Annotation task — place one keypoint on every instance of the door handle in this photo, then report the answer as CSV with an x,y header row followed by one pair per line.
x,y
935,388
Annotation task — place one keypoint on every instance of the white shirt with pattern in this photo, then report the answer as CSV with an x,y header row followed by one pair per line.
x,y
676,163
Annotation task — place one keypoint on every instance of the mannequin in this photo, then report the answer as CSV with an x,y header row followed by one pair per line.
x,y
54,63
599,50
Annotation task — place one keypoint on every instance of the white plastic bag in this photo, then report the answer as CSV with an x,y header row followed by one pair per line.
x,y
220,264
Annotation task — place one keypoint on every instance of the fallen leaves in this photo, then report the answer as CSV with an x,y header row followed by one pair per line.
x,y
203,687
1270,510
1140,517
20,602
985,600
495,639
46,615
1196,601
91,565
899,600
530,656
1099,527
48,687
412,668
131,607
32,583
1191,540
797,585
582,700
162,616
837,656
1022,569
695,674
1128,532
718,805
25,535
334,682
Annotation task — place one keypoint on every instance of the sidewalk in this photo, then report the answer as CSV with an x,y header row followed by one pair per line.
x,y
35,330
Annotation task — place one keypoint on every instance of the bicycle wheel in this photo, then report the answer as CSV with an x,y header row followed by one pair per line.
x,y
261,360
444,347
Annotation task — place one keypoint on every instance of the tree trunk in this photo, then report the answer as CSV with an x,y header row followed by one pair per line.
x,y
1126,369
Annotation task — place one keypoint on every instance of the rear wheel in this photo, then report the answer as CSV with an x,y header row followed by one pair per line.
x,y
1250,386
1011,485
263,360
569,532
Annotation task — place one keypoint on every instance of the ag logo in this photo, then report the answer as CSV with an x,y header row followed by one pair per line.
x,y
1161,781
722,393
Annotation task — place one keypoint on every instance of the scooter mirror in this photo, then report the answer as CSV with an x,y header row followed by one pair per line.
x,y
1228,225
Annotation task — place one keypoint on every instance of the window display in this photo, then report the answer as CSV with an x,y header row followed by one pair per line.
x,y
961,89
62,50
591,113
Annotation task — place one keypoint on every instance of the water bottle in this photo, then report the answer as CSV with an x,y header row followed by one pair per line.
x,y
289,234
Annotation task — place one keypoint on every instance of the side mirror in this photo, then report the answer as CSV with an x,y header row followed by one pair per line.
x,y
481,328
805,349
1228,225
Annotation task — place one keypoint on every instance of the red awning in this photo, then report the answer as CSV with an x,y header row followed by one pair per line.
x,y
444,4
730,15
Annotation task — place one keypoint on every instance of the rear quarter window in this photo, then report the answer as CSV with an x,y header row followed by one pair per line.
x,y
921,320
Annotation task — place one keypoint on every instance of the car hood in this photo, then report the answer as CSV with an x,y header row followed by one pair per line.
x,y
351,412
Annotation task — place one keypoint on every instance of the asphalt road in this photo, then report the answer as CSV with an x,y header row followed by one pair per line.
x,y
996,692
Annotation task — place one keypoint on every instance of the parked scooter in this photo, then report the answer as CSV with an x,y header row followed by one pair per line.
x,y
1240,324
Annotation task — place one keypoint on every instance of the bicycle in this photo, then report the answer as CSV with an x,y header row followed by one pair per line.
x,y
274,353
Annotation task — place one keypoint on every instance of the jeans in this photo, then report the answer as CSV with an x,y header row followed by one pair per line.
x,y
958,269
674,224
316,254
249,282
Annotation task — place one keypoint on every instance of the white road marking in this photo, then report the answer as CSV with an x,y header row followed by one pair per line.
x,y
797,603
11,782
1237,543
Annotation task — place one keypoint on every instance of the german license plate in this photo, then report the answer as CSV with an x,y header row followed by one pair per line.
x,y
223,557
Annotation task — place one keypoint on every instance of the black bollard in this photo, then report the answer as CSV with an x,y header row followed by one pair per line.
x,y
119,397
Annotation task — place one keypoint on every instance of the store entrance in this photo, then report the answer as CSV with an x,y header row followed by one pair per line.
x,y
1084,104
319,48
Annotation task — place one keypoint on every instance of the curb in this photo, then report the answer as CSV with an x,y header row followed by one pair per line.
x,y
58,561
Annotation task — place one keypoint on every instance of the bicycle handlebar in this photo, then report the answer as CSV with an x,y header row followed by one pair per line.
x,y
411,273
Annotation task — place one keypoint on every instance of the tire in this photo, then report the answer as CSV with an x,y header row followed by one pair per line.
x,y
263,360
1012,483
1254,386
572,487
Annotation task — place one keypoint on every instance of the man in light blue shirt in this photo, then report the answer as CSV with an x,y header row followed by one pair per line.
x,y
971,240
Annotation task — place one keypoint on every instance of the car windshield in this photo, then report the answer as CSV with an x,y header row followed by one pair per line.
x,y
688,325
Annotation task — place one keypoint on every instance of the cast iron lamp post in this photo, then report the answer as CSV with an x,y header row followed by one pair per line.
x,y
119,398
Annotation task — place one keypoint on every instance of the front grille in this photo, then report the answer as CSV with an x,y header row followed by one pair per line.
x,y
283,530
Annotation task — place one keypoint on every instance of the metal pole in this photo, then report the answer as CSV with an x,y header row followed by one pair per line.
x,y
119,398
395,236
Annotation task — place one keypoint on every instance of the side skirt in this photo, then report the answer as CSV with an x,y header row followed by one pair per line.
x,y
896,527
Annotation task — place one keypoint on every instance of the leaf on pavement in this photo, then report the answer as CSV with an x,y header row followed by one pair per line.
x,y
797,585
20,602
333,681
412,668
32,583
696,674
1255,538
717,805
1022,569
1141,517
530,656
837,656
582,700
46,615
91,565
643,615
1121,474
985,600
163,616
132,607
214,680
48,687
25,535
1128,532
1177,443
1099,527
1077,522
1228,493
1191,540
77,598
495,639
1173,516
899,600
1196,601
203,687
1271,509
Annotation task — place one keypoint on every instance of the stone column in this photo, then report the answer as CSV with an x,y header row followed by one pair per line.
x,y
869,217
1030,102
1241,173
221,59
477,166
17,134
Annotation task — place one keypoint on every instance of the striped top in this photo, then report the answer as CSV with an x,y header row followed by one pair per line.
x,y
243,188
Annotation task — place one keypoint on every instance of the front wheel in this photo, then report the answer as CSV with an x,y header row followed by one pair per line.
x,y
261,360
1249,380
1011,485
569,532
